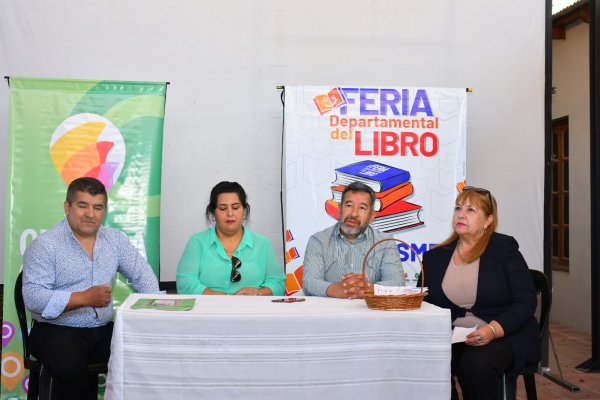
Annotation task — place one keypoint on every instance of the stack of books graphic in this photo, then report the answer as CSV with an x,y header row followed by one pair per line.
x,y
390,184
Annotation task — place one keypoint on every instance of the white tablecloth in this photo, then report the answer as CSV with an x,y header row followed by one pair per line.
x,y
246,347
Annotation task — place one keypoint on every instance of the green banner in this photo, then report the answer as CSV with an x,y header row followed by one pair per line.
x,y
60,130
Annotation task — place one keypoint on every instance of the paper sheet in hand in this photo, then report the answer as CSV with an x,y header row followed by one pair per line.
x,y
164,304
460,334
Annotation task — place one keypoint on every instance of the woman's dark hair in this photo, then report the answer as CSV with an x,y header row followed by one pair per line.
x,y
226,187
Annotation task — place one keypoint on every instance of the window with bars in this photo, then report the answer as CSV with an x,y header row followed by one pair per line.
x,y
560,194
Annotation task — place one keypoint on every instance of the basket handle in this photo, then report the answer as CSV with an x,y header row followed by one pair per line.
x,y
364,267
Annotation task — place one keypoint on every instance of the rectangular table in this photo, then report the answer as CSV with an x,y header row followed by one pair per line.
x,y
247,347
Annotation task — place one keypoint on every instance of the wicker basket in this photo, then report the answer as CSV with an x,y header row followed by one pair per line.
x,y
402,302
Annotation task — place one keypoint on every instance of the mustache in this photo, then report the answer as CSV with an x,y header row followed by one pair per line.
x,y
352,219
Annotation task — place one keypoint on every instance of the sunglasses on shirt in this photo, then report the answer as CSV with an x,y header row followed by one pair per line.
x,y
236,264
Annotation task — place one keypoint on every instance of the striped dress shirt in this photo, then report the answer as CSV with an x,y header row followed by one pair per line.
x,y
329,256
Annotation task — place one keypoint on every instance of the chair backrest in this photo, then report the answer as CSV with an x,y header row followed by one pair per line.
x,y
541,286
22,315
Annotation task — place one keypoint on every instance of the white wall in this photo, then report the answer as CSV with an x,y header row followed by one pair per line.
x,y
224,60
570,76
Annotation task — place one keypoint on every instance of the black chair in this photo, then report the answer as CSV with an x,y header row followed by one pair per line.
x,y
40,378
528,371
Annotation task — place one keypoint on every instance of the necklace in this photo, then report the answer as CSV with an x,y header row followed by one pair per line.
x,y
462,260
231,247
230,243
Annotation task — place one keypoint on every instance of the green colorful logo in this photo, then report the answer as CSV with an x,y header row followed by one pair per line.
x,y
88,145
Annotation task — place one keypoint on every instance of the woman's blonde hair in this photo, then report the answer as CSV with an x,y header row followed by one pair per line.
x,y
483,199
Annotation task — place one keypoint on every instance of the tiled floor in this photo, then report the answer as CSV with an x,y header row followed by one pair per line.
x,y
573,347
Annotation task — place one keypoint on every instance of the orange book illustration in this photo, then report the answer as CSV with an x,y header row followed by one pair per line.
x,y
398,216
382,199
327,102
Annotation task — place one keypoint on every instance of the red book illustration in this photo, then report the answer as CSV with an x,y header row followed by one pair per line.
x,y
398,216
288,235
383,199
291,254
327,102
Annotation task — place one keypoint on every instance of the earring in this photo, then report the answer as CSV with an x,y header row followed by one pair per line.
x,y
485,231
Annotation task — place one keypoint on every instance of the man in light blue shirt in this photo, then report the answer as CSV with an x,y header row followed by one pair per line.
x,y
68,273
334,257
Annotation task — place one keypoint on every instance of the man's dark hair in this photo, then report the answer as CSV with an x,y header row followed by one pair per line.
x,y
359,187
87,185
226,187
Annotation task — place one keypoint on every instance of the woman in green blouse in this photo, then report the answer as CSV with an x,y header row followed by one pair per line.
x,y
228,258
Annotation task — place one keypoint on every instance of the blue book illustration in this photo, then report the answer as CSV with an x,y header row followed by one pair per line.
x,y
378,176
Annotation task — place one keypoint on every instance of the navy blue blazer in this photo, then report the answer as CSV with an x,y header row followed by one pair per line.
x,y
505,293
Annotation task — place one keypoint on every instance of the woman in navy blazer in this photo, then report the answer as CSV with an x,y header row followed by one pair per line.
x,y
483,279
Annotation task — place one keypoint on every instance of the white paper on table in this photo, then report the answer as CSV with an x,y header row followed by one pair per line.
x,y
459,334
382,290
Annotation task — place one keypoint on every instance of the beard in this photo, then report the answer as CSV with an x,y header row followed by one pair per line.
x,y
350,231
